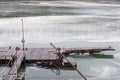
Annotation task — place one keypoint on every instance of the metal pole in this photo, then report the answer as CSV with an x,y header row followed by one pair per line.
x,y
23,40
53,46
73,66
69,62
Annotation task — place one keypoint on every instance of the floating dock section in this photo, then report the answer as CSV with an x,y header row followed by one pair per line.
x,y
46,57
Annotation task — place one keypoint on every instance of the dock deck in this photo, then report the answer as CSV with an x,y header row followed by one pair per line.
x,y
30,54
47,56
12,74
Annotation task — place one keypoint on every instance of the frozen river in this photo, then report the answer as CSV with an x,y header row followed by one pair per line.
x,y
66,24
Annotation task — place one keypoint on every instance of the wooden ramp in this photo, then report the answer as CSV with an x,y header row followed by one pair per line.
x,y
12,74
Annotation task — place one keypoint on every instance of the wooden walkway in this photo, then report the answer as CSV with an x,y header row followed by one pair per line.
x,y
5,53
30,54
40,54
45,53
36,54
12,74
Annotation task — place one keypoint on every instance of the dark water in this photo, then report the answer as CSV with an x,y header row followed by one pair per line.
x,y
66,24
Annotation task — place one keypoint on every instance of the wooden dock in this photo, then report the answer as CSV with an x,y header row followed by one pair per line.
x,y
12,74
30,55
46,56
38,54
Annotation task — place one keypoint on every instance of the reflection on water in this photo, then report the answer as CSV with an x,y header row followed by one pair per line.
x,y
67,24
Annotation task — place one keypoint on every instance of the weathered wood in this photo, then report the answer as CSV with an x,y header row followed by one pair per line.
x,y
30,54
37,54
12,74
46,53
40,54
6,53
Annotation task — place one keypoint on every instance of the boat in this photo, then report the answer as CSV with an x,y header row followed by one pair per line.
x,y
93,56
89,52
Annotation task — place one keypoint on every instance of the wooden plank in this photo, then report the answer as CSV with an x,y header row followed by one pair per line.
x,y
13,70
6,53
41,54
44,53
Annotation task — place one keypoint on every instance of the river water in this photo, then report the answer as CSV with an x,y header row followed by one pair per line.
x,y
66,24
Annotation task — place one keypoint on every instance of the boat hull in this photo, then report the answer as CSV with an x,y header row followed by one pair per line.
x,y
93,56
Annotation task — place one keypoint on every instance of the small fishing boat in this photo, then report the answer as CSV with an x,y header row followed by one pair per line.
x,y
88,52
92,56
